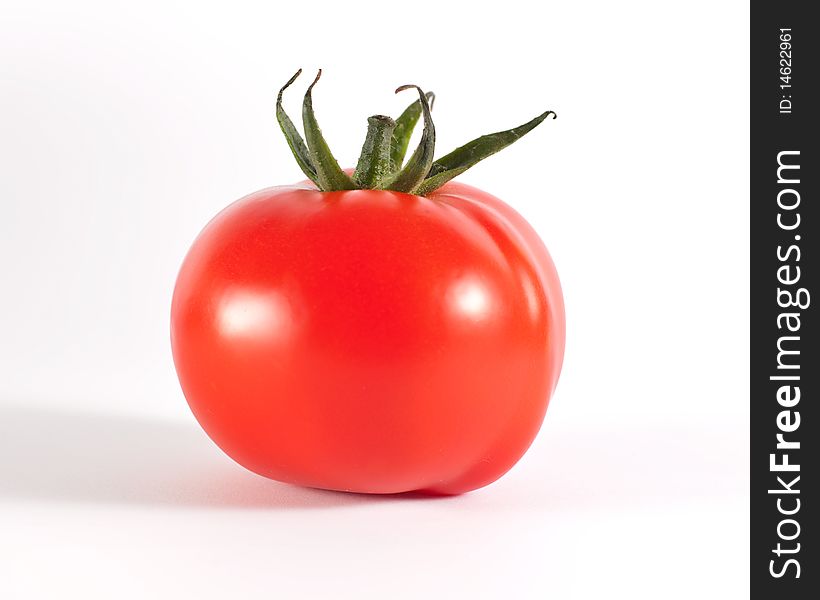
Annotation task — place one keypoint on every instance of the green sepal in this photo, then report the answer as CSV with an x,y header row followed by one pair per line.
x,y
329,174
416,169
374,166
294,139
459,160
405,125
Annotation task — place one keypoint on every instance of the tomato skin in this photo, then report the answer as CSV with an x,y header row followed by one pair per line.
x,y
369,341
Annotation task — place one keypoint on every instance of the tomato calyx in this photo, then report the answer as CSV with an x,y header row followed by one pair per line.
x,y
381,162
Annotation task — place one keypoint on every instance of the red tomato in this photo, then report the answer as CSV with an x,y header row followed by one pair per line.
x,y
370,341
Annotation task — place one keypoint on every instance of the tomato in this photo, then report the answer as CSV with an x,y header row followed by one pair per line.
x,y
369,340
381,329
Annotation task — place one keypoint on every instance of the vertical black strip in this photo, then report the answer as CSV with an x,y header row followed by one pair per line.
x,y
785,225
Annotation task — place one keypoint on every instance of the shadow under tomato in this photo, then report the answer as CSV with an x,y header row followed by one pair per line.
x,y
54,456
58,456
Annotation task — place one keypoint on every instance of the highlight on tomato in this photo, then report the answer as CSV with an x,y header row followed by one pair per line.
x,y
381,329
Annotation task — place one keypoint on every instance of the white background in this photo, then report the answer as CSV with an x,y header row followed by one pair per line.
x,y
125,126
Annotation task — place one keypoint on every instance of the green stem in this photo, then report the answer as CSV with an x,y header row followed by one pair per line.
x,y
328,172
405,125
295,141
459,160
375,166
420,162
